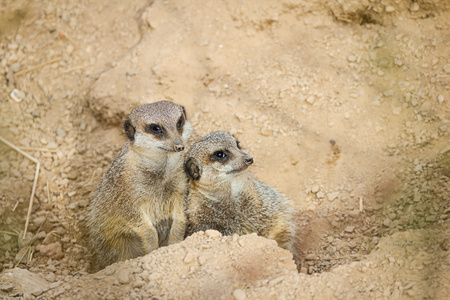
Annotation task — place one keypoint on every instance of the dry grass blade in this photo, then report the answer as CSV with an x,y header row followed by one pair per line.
x,y
38,66
38,149
23,255
38,165
9,233
48,194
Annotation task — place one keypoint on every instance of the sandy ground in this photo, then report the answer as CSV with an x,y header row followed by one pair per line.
x,y
344,106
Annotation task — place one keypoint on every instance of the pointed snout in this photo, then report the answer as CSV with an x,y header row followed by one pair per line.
x,y
178,147
178,143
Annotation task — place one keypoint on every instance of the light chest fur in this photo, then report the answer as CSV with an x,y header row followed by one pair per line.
x,y
224,196
139,204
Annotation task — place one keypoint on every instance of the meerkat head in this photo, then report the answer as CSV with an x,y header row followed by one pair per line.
x,y
158,127
217,156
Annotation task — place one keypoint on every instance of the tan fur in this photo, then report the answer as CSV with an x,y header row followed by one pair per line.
x,y
139,204
224,196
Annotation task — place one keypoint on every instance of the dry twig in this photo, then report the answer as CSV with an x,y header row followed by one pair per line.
x,y
38,149
48,194
38,66
25,253
38,165
15,206
9,233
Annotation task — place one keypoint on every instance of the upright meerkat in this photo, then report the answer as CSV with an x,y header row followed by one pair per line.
x,y
224,196
140,201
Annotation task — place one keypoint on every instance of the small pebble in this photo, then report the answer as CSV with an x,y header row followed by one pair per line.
x,y
239,294
53,250
447,69
398,62
23,242
138,283
52,145
72,175
123,277
189,258
212,233
15,67
311,256
201,260
332,196
50,277
17,95
414,7
38,221
390,9
349,229
50,238
22,255
265,132
388,93
39,236
397,111
37,292
6,288
60,132
315,188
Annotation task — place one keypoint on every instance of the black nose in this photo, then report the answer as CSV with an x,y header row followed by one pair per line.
x,y
249,161
178,148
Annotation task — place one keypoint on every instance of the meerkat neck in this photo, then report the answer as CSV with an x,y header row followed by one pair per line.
x,y
158,164
213,192
226,190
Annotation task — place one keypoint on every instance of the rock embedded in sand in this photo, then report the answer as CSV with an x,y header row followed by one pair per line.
x,y
23,281
123,277
53,250
212,233
332,196
414,7
349,229
239,294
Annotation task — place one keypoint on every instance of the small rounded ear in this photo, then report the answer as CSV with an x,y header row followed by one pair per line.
x,y
184,112
193,168
129,129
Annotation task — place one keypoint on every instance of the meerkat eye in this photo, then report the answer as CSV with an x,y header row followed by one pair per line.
x,y
153,128
220,155
180,123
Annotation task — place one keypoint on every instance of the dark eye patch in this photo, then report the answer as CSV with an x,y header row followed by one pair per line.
x,y
221,156
155,129
180,124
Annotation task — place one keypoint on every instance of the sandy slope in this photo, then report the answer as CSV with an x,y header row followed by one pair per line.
x,y
344,106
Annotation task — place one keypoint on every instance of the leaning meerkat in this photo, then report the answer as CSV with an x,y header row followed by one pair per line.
x,y
140,201
224,196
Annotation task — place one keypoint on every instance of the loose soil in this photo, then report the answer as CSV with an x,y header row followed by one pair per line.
x,y
344,105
